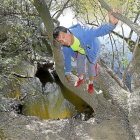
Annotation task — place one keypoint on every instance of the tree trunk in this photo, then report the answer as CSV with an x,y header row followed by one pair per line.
x,y
119,96
81,91
112,89
94,100
134,100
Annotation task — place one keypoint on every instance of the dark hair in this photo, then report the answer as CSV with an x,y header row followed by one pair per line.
x,y
57,31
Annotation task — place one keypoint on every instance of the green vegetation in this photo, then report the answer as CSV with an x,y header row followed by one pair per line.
x,y
21,33
1,135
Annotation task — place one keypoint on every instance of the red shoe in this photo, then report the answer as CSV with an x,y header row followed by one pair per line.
x,y
90,88
77,83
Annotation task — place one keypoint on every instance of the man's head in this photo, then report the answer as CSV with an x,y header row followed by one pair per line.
x,y
63,35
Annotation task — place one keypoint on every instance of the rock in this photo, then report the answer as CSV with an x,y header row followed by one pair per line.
x,y
18,127
10,104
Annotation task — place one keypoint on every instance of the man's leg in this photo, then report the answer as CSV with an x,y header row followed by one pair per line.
x,y
92,71
81,68
91,78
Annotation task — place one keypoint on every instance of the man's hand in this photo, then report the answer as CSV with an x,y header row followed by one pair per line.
x,y
112,19
68,77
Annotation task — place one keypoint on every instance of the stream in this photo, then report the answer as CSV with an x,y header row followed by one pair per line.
x,y
46,97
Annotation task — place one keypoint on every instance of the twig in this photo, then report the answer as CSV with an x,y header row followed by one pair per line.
x,y
21,76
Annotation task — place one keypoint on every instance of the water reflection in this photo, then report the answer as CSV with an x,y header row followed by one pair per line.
x,y
55,102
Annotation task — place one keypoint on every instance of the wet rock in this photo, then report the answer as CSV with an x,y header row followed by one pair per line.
x,y
10,104
32,87
16,126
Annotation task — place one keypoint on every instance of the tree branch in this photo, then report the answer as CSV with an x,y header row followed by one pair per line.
x,y
124,19
42,37
134,68
113,74
113,57
58,15
50,4
128,40
136,18
20,76
21,13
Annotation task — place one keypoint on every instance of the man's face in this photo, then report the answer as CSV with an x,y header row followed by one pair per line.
x,y
65,38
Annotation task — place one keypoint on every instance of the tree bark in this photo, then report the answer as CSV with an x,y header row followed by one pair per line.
x,y
112,89
134,100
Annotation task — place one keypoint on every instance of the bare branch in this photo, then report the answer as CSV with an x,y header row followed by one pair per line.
x,y
112,64
124,76
60,10
113,74
136,18
20,76
123,44
50,4
28,14
42,37
58,15
124,19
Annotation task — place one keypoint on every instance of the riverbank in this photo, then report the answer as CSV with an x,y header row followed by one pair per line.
x,y
15,126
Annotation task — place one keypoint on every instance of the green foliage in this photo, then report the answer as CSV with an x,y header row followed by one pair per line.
x,y
124,61
17,31
131,1
1,83
88,11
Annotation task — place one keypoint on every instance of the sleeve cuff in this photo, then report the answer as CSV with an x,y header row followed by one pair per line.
x,y
111,26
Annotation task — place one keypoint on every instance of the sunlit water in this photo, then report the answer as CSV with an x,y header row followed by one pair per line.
x,y
55,102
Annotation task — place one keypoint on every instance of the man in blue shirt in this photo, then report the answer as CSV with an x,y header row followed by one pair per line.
x,y
81,42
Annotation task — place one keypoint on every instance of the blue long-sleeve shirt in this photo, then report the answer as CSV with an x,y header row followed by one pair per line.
x,y
88,38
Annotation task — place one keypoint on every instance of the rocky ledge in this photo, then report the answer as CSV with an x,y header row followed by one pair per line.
x,y
14,126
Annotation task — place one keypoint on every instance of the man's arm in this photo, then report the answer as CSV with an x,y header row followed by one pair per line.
x,y
111,25
103,29
67,62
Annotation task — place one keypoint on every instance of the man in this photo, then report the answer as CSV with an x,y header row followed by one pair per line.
x,y
81,42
